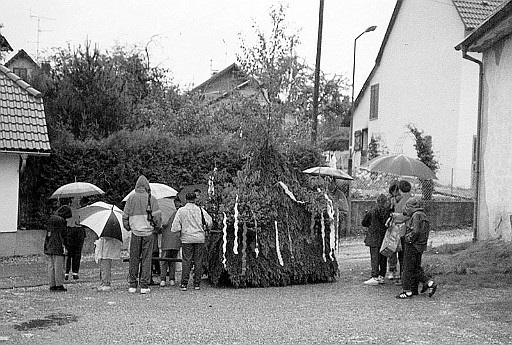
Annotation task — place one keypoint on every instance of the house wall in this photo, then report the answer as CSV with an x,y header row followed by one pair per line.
x,y
420,77
495,206
9,175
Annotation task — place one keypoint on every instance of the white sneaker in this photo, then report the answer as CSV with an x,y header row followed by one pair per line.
x,y
390,275
104,288
172,282
144,291
381,280
162,283
371,281
132,290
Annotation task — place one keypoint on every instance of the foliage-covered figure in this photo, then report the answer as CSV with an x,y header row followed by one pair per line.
x,y
271,228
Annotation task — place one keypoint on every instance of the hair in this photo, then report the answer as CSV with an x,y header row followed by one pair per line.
x,y
190,196
404,186
382,200
393,187
64,212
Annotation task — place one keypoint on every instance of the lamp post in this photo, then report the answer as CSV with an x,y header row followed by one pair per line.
x,y
350,142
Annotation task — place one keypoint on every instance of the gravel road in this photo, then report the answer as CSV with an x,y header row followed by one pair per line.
x,y
343,312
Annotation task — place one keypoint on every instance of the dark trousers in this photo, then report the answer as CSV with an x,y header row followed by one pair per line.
x,y
413,273
192,252
141,249
74,257
379,262
168,268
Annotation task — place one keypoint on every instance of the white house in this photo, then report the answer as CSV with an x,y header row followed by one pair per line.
x,y
419,79
23,133
493,38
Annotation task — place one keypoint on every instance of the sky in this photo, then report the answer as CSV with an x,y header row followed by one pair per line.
x,y
193,38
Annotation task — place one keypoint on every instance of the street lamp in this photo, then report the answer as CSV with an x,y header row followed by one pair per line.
x,y
350,143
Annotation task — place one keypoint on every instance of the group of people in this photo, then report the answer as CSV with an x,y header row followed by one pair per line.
x,y
401,212
145,218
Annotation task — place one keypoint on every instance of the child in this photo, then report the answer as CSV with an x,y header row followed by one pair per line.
x,y
375,221
107,249
416,237
55,247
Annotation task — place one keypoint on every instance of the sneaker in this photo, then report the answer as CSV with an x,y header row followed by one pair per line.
x,y
66,276
381,280
183,287
162,283
145,291
75,276
104,288
396,275
197,287
59,288
390,275
132,290
371,281
398,282
172,282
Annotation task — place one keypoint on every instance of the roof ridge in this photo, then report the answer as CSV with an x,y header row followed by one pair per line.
x,y
20,82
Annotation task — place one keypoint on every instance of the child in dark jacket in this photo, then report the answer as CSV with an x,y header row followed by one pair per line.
x,y
416,237
375,221
55,247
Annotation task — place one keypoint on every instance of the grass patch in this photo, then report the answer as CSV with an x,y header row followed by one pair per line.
x,y
479,264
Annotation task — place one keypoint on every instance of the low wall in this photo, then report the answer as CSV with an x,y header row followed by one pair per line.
x,y
441,214
30,242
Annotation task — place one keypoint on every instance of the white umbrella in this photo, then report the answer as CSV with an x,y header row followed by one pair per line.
x,y
76,189
401,165
159,190
104,219
327,171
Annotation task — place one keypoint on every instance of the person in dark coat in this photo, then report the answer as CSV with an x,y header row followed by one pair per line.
x,y
75,237
56,248
416,238
375,221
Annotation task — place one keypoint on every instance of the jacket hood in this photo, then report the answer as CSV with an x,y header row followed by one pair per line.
x,y
64,212
142,185
412,205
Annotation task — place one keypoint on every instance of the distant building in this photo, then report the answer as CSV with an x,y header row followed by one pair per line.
x,y
228,82
23,66
4,45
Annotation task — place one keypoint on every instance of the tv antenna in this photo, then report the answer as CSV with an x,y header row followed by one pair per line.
x,y
39,30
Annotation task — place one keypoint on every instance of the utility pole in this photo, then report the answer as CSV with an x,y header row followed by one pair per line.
x,y
314,117
39,30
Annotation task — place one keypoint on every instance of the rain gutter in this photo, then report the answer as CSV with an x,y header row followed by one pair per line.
x,y
478,140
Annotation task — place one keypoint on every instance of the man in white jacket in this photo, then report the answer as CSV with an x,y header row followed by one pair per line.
x,y
192,222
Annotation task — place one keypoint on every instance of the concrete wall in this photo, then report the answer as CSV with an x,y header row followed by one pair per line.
x,y
495,206
9,175
424,81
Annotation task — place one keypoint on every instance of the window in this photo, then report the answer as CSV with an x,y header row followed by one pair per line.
x,y
21,72
374,102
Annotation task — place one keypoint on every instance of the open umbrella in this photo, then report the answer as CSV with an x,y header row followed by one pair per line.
x,y
159,190
401,165
104,219
76,189
327,171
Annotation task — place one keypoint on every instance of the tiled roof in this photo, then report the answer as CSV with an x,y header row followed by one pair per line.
x,y
474,12
22,117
